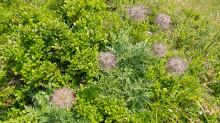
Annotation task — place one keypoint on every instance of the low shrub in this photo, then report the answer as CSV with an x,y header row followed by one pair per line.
x,y
108,61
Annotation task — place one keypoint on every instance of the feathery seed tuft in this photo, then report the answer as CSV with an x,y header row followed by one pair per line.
x,y
163,20
159,50
176,66
107,60
63,98
137,13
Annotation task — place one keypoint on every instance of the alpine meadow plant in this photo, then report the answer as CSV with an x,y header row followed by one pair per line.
x,y
63,98
137,13
163,20
107,60
159,50
43,111
176,66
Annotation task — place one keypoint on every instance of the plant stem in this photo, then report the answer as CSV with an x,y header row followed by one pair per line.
x,y
104,83
147,43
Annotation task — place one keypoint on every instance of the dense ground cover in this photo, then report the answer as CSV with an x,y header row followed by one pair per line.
x,y
109,61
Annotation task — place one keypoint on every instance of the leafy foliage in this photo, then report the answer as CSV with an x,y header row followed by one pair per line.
x,y
48,45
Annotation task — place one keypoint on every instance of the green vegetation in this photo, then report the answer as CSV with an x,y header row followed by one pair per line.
x,y
109,61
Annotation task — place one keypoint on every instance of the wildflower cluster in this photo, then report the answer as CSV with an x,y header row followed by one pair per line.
x,y
174,65
107,61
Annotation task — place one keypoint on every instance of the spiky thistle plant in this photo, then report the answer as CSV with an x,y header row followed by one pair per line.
x,y
63,98
159,50
176,66
163,20
107,60
137,13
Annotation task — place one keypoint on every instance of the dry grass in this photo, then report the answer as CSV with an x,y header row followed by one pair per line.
x,y
209,8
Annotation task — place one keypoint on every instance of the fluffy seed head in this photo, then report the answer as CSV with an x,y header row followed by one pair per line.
x,y
159,49
176,66
137,13
63,98
107,60
163,20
